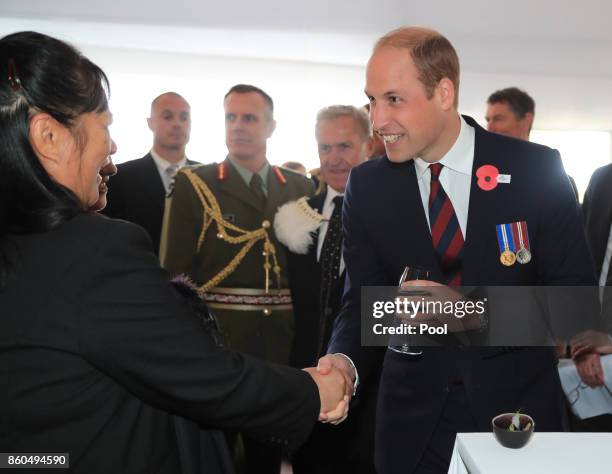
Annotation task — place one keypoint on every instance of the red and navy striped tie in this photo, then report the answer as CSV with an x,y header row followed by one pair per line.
x,y
445,230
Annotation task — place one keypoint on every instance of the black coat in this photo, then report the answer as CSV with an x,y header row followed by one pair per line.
x,y
597,209
98,351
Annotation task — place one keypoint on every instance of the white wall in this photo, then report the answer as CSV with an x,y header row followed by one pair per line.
x,y
570,75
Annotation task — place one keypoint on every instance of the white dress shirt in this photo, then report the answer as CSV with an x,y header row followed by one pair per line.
x,y
455,177
328,209
163,165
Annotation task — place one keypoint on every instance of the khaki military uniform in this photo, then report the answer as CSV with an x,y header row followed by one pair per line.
x,y
265,331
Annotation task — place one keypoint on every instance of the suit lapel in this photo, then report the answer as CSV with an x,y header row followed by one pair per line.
x,y
483,211
316,202
410,232
153,184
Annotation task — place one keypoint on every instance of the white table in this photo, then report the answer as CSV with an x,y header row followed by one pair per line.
x,y
555,453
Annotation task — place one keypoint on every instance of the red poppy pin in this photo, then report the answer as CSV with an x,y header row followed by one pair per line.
x,y
487,177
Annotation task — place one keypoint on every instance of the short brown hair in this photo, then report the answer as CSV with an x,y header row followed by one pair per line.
x,y
246,89
433,55
518,100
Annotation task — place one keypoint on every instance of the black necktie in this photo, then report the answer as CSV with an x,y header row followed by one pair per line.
x,y
256,186
330,265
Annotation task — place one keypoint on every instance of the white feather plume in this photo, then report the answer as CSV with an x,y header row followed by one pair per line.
x,y
294,224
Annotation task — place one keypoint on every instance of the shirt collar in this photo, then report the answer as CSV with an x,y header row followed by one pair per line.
x,y
162,164
330,195
246,174
459,158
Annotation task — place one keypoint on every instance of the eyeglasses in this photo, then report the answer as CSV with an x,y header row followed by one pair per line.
x,y
574,394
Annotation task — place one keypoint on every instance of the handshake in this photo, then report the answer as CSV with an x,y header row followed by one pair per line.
x,y
334,376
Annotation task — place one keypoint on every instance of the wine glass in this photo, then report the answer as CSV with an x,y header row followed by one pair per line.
x,y
411,272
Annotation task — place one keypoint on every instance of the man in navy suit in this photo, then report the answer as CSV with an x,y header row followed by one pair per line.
x,y
588,348
139,190
438,200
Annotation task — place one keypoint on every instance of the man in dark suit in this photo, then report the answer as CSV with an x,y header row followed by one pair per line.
x,y
588,347
437,201
342,133
597,209
140,187
316,277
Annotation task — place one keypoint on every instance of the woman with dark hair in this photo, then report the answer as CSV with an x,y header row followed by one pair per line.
x,y
97,350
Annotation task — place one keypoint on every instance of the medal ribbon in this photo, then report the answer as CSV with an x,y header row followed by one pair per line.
x,y
500,238
507,237
523,234
517,235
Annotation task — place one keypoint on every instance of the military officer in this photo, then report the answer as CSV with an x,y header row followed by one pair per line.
x,y
217,229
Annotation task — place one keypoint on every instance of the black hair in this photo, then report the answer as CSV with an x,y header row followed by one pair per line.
x,y
518,100
38,73
246,88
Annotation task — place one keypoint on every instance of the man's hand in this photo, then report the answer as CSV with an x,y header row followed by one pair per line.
x,y
591,341
332,393
327,365
441,293
590,370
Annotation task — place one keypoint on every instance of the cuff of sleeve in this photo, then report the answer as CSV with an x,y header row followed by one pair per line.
x,y
356,382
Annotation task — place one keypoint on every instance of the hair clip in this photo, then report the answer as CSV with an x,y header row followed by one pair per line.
x,y
13,75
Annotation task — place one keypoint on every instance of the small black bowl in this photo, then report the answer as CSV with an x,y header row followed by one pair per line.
x,y
512,439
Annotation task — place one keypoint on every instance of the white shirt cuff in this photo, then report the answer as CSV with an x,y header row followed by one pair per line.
x,y
356,382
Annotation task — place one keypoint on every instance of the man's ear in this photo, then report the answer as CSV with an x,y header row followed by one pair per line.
x,y
528,120
47,138
150,123
271,127
369,146
446,93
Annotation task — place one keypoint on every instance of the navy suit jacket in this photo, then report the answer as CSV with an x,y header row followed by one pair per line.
x,y
385,228
597,208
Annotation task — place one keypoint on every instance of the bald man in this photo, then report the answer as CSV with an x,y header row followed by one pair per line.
x,y
141,185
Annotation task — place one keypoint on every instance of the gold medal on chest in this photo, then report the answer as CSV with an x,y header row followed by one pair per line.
x,y
507,258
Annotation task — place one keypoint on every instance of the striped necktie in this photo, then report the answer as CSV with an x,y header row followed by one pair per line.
x,y
445,230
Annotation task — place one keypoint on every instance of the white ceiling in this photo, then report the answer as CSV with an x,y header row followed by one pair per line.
x,y
552,19
562,51
495,34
